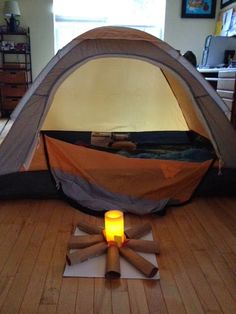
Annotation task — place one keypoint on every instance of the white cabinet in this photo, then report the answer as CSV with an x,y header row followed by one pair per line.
x,y
223,81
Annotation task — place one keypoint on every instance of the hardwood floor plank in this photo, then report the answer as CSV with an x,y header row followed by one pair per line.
x,y
171,292
231,261
5,284
220,225
68,295
21,244
11,215
119,285
120,303
169,288
47,309
210,259
5,213
154,295
223,296
35,287
225,273
229,206
120,296
203,240
53,281
198,280
200,210
19,285
85,292
220,210
9,236
12,232
190,298
218,260
137,297
155,300
102,296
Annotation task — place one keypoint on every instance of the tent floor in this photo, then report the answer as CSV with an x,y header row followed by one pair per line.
x,y
197,262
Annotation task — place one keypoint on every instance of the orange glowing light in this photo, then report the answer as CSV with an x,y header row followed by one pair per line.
x,y
114,226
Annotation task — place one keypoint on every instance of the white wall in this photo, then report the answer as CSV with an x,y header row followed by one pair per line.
x,y
186,34
182,34
38,16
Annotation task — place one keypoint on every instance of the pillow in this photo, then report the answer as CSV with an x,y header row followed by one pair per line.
x,y
124,145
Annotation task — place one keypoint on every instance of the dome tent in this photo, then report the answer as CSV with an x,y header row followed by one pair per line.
x,y
114,79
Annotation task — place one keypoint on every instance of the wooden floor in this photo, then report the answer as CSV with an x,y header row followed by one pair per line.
x,y
197,262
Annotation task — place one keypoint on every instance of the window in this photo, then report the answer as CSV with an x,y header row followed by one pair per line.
x,y
74,17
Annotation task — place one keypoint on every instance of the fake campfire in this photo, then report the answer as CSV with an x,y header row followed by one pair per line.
x,y
114,241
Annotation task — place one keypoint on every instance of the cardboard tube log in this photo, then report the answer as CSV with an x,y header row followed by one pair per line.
x,y
138,231
89,228
112,263
82,255
82,241
145,246
144,266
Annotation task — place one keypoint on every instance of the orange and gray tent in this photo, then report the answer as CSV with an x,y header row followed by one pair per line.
x,y
117,80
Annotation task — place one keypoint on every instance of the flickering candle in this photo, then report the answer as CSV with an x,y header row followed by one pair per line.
x,y
114,226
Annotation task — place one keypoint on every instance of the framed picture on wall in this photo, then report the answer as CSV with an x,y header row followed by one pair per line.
x,y
198,9
224,3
